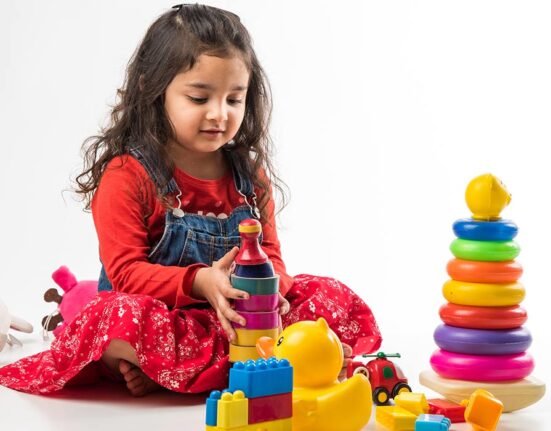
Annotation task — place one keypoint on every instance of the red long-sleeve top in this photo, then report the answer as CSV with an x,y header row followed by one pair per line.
x,y
130,220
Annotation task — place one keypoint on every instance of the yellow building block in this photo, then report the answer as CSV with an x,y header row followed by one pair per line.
x,y
233,410
483,410
243,353
395,418
413,402
249,337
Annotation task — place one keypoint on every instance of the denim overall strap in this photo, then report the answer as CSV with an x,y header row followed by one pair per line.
x,y
193,238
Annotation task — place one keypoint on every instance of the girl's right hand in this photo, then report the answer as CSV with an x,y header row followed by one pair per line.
x,y
213,284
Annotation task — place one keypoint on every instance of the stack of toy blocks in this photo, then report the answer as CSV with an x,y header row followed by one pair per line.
x,y
254,274
259,398
402,416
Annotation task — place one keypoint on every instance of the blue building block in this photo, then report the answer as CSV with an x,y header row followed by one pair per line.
x,y
432,423
262,378
212,408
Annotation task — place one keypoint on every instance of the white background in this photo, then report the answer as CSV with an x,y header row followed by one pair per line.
x,y
383,111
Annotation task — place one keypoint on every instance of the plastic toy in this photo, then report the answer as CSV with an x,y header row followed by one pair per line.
x,y
486,196
492,251
7,322
482,368
258,398
483,410
466,316
477,230
483,294
77,295
413,402
320,402
395,418
432,422
261,378
387,379
514,395
254,274
482,341
484,272
453,411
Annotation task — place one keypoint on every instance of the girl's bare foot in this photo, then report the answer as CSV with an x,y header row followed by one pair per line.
x,y
348,356
136,381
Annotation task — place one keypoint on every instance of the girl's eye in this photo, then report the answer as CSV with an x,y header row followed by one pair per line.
x,y
235,101
197,99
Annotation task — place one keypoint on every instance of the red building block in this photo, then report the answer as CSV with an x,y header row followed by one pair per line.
x,y
270,408
453,411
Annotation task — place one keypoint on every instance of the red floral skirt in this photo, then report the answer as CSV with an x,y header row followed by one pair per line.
x,y
184,350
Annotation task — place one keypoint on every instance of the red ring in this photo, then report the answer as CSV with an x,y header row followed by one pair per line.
x,y
475,271
466,316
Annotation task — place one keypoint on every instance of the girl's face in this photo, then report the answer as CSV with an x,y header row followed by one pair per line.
x,y
206,104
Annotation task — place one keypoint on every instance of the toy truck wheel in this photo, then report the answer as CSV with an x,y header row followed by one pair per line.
x,y
362,370
399,388
381,396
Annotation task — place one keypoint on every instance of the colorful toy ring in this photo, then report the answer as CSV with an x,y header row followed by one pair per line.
x,y
481,368
483,294
479,230
484,272
482,341
466,316
493,251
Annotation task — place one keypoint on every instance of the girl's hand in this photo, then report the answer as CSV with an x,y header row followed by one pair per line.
x,y
283,305
348,356
213,284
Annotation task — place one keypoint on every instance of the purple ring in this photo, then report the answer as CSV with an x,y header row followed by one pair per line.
x,y
259,320
257,303
482,341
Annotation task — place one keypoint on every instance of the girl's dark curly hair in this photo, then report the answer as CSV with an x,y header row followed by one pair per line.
x,y
172,45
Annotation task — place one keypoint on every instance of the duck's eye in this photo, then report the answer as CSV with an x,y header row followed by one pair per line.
x,y
279,341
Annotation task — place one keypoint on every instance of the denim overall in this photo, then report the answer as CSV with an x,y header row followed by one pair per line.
x,y
193,238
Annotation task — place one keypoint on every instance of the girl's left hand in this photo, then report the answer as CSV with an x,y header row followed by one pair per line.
x,y
283,305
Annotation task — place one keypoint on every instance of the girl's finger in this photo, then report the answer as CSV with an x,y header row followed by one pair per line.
x,y
232,293
227,259
283,305
230,313
226,326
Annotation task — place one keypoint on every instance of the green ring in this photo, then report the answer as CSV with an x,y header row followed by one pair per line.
x,y
256,286
489,251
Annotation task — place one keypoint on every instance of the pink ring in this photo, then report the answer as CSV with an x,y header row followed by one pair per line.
x,y
259,320
481,368
257,303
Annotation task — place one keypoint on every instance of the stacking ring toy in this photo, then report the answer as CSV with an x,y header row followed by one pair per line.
x,y
481,368
493,251
257,303
484,272
256,286
482,341
466,316
483,294
478,230
259,319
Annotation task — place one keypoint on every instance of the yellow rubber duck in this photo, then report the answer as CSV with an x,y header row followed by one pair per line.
x,y
486,197
320,401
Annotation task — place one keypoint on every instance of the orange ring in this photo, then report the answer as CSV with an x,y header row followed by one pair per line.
x,y
466,316
476,271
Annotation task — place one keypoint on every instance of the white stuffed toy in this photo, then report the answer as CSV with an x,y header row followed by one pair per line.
x,y
8,321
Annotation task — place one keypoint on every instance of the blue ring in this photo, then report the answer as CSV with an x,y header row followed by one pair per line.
x,y
479,230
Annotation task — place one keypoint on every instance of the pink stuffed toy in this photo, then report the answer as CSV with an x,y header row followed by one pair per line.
x,y
77,295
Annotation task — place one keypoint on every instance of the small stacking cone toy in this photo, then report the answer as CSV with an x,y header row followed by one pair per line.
x,y
254,274
482,343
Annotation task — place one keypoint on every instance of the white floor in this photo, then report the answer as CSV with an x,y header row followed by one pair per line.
x,y
109,407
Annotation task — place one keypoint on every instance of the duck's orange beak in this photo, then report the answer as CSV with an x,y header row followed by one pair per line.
x,y
265,347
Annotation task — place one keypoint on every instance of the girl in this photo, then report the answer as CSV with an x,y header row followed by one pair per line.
x,y
184,160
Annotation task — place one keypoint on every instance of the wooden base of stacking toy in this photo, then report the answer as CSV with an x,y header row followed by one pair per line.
x,y
514,395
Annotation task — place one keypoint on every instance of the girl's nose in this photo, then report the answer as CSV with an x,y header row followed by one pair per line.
x,y
217,111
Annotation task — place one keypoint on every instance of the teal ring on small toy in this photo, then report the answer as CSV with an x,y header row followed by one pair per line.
x,y
256,286
479,230
489,251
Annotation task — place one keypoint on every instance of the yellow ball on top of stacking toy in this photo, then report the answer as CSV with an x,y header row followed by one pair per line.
x,y
486,197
